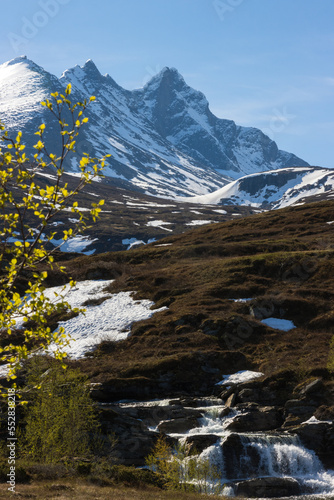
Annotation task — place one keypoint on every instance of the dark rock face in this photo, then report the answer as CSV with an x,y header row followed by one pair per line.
x,y
177,425
182,115
165,129
200,442
318,437
134,440
232,449
269,487
257,419
192,375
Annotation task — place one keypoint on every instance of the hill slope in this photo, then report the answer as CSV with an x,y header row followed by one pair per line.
x,y
274,189
281,264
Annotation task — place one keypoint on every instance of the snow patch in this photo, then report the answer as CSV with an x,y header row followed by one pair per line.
x,y
279,324
159,224
111,320
201,222
76,244
239,377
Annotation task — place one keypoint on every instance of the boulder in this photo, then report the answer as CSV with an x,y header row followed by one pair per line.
x,y
231,400
267,487
325,412
315,387
319,437
232,449
153,415
246,395
258,419
228,391
200,442
133,440
177,425
299,408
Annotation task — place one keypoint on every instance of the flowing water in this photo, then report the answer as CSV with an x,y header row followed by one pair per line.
x,y
262,455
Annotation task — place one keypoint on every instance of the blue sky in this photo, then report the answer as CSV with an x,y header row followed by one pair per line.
x,y
262,63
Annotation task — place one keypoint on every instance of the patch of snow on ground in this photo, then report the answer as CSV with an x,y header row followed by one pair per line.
x,y
133,242
238,377
110,320
314,420
76,244
279,324
159,224
201,222
220,212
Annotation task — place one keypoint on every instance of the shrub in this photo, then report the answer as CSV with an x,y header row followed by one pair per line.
x,y
182,471
60,416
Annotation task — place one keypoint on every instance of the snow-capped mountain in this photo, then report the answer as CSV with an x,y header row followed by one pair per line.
x,y
273,189
182,116
163,139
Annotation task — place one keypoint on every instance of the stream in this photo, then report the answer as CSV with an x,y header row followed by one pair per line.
x,y
264,464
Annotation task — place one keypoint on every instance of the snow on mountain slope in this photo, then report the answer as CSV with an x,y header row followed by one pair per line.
x,y
139,154
182,115
163,139
23,85
273,189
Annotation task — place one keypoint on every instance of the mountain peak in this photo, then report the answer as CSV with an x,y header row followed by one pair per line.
x,y
17,60
91,67
166,77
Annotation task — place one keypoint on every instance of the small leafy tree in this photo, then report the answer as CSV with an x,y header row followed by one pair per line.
x,y
60,415
26,212
182,470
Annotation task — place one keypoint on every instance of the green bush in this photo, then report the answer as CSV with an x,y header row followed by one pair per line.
x,y
59,416
181,470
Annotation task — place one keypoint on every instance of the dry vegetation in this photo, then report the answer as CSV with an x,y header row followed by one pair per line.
x,y
282,259
81,490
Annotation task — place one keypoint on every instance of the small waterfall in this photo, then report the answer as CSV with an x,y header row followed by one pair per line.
x,y
241,456
278,456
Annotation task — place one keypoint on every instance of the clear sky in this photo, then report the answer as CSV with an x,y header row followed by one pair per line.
x,y
262,63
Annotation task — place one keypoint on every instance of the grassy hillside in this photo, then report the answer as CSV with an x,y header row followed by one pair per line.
x,y
282,260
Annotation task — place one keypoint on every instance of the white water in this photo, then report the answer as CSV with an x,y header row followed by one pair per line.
x,y
263,455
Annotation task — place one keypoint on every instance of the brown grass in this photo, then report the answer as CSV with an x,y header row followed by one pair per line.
x,y
282,259
81,490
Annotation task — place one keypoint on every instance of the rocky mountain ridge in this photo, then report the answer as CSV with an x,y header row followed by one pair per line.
x,y
163,139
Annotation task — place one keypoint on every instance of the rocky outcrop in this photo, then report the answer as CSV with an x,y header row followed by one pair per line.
x,y
133,439
256,426
268,487
177,425
199,442
319,437
190,375
256,418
